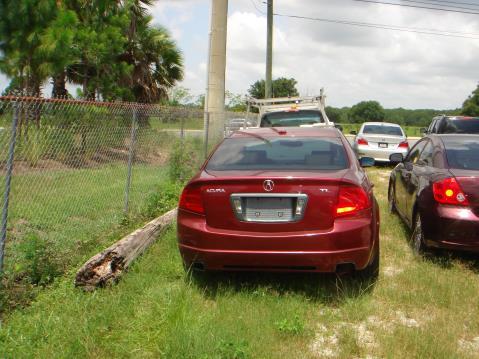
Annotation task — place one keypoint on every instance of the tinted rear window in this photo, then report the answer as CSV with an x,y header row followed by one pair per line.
x,y
279,154
461,126
382,130
291,118
462,153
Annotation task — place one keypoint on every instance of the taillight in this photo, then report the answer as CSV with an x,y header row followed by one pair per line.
x,y
404,144
362,141
191,200
448,191
351,199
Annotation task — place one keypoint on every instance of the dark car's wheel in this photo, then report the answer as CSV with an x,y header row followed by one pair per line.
x,y
391,199
417,240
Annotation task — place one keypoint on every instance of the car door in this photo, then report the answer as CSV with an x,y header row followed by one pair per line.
x,y
403,176
421,170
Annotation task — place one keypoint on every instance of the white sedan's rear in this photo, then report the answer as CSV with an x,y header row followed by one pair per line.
x,y
380,140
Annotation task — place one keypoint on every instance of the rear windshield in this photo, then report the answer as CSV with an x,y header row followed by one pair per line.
x,y
382,130
279,154
291,118
461,126
462,154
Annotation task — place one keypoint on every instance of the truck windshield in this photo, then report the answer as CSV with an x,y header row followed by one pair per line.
x,y
291,118
282,154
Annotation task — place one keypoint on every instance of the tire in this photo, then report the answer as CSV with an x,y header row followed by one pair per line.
x,y
391,200
417,238
371,272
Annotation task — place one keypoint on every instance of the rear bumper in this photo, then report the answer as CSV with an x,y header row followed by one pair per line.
x,y
454,228
352,241
379,154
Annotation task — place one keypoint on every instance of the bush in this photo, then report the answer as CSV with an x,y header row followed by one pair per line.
x,y
184,160
162,200
38,264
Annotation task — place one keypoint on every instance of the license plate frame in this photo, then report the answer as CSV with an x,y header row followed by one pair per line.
x,y
383,145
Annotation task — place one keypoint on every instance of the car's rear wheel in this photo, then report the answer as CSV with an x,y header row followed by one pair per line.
x,y
371,272
417,239
391,199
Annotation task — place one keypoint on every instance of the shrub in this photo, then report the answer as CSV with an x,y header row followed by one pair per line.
x,y
184,160
162,200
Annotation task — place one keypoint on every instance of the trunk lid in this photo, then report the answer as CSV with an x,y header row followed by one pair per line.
x,y
375,140
271,207
469,182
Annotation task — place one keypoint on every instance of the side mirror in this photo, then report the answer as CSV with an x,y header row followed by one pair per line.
x,y
339,127
423,130
367,162
396,158
353,133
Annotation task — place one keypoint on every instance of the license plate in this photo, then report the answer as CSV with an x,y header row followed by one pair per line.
x,y
269,209
383,145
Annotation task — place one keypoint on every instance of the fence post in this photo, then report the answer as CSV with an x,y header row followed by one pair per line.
x,y
131,158
182,127
8,179
207,130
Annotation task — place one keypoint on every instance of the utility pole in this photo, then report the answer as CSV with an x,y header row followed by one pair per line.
x,y
268,93
215,94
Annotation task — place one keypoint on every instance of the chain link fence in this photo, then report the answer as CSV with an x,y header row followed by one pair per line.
x,y
73,171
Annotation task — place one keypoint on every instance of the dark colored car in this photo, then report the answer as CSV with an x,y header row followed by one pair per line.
x,y
280,199
453,124
435,190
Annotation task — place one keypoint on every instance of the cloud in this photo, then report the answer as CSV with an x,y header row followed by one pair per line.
x,y
353,64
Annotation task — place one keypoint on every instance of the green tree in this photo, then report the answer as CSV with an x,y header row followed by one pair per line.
x,y
21,25
282,87
156,61
471,105
366,111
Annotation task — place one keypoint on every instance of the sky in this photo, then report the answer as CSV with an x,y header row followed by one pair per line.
x,y
398,69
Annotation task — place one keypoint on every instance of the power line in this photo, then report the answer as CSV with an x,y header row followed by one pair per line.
x,y
419,7
454,2
428,2
434,32
386,27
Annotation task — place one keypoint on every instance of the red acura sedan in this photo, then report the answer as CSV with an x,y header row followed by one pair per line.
x,y
281,199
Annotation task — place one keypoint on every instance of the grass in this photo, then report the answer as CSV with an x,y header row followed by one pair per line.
x,y
420,307
58,218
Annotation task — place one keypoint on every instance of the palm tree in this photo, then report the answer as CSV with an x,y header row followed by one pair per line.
x,y
156,60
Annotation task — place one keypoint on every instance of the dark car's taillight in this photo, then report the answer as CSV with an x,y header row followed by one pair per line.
x,y
448,191
351,199
192,200
404,144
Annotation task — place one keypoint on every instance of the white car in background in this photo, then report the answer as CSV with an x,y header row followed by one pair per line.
x,y
379,140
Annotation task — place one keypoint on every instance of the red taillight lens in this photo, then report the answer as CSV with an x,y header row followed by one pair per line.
x,y
448,191
192,200
404,144
351,199
362,141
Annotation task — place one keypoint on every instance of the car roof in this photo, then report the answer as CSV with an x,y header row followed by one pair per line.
x,y
461,118
382,124
286,132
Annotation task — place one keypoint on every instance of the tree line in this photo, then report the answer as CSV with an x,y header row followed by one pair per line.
x,y
110,48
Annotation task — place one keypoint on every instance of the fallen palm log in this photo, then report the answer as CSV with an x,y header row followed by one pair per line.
x,y
107,266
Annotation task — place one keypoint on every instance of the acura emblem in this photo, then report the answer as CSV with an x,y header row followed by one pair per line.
x,y
268,185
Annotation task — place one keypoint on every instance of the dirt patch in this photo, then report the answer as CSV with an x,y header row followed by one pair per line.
x,y
392,271
470,347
